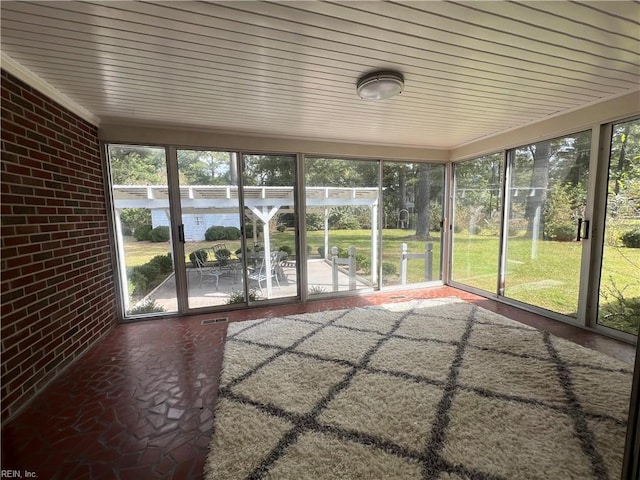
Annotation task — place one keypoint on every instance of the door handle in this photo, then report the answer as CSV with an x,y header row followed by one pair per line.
x,y
583,229
579,234
586,224
181,233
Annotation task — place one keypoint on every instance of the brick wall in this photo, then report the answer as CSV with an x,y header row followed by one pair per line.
x,y
57,282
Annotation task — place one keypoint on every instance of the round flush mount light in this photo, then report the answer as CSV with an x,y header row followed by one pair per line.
x,y
380,85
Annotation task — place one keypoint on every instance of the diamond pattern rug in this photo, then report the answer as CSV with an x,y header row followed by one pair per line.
x,y
433,389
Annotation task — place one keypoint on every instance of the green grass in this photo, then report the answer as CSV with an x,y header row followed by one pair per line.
x,y
138,253
550,280
392,240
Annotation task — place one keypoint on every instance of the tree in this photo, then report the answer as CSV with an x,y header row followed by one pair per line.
x,y
205,167
269,170
423,197
132,165
538,184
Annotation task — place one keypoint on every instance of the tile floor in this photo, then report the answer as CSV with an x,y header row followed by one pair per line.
x,y
139,404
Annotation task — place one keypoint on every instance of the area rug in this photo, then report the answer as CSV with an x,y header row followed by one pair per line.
x,y
429,389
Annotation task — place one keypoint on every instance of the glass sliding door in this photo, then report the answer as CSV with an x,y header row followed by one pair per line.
x,y
341,224
142,222
547,198
270,257
413,199
619,294
210,227
477,216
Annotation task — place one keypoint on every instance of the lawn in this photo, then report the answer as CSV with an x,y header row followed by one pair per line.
x,y
550,280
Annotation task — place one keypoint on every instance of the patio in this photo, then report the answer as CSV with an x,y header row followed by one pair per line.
x,y
205,294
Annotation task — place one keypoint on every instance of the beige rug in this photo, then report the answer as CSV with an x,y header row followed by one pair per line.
x,y
430,389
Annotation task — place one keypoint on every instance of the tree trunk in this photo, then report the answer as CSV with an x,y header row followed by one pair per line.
x,y
423,195
403,214
538,184
622,161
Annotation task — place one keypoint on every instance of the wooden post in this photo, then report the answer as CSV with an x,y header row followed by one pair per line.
x,y
428,261
334,267
352,267
403,264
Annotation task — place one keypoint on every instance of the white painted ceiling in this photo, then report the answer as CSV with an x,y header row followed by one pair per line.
x,y
471,69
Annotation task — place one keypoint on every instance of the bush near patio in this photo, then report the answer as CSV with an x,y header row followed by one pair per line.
x,y
631,239
143,232
160,234
219,232
144,278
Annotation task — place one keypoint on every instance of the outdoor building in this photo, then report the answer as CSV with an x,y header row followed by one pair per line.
x,y
170,167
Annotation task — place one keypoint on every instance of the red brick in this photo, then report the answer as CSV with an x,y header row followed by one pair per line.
x,y
52,209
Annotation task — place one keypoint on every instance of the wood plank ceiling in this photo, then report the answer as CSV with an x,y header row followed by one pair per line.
x,y
471,69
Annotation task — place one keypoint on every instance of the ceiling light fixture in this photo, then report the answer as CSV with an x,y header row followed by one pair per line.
x,y
380,85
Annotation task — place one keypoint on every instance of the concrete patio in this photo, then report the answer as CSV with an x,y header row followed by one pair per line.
x,y
204,293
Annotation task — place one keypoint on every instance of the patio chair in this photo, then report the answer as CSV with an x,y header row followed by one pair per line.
x,y
206,272
260,274
224,263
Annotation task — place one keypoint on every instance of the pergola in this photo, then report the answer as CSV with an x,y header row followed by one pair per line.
x,y
262,203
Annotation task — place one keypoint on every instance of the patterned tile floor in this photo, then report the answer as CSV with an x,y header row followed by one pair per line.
x,y
139,404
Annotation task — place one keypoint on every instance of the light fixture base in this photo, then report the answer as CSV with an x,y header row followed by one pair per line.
x,y
380,85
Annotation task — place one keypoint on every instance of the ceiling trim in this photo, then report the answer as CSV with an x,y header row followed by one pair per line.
x,y
141,134
27,76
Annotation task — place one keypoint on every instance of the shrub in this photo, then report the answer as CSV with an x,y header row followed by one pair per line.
x,y
142,276
149,270
232,233
215,232
139,281
160,234
631,238
281,228
363,263
133,218
148,306
343,218
321,251
388,269
143,232
163,263
237,296
317,290
286,249
314,221
201,254
561,211
475,230
561,232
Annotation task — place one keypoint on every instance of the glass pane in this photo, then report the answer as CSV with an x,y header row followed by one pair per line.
x,y
413,197
341,224
142,219
270,229
211,219
548,196
619,306
477,215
